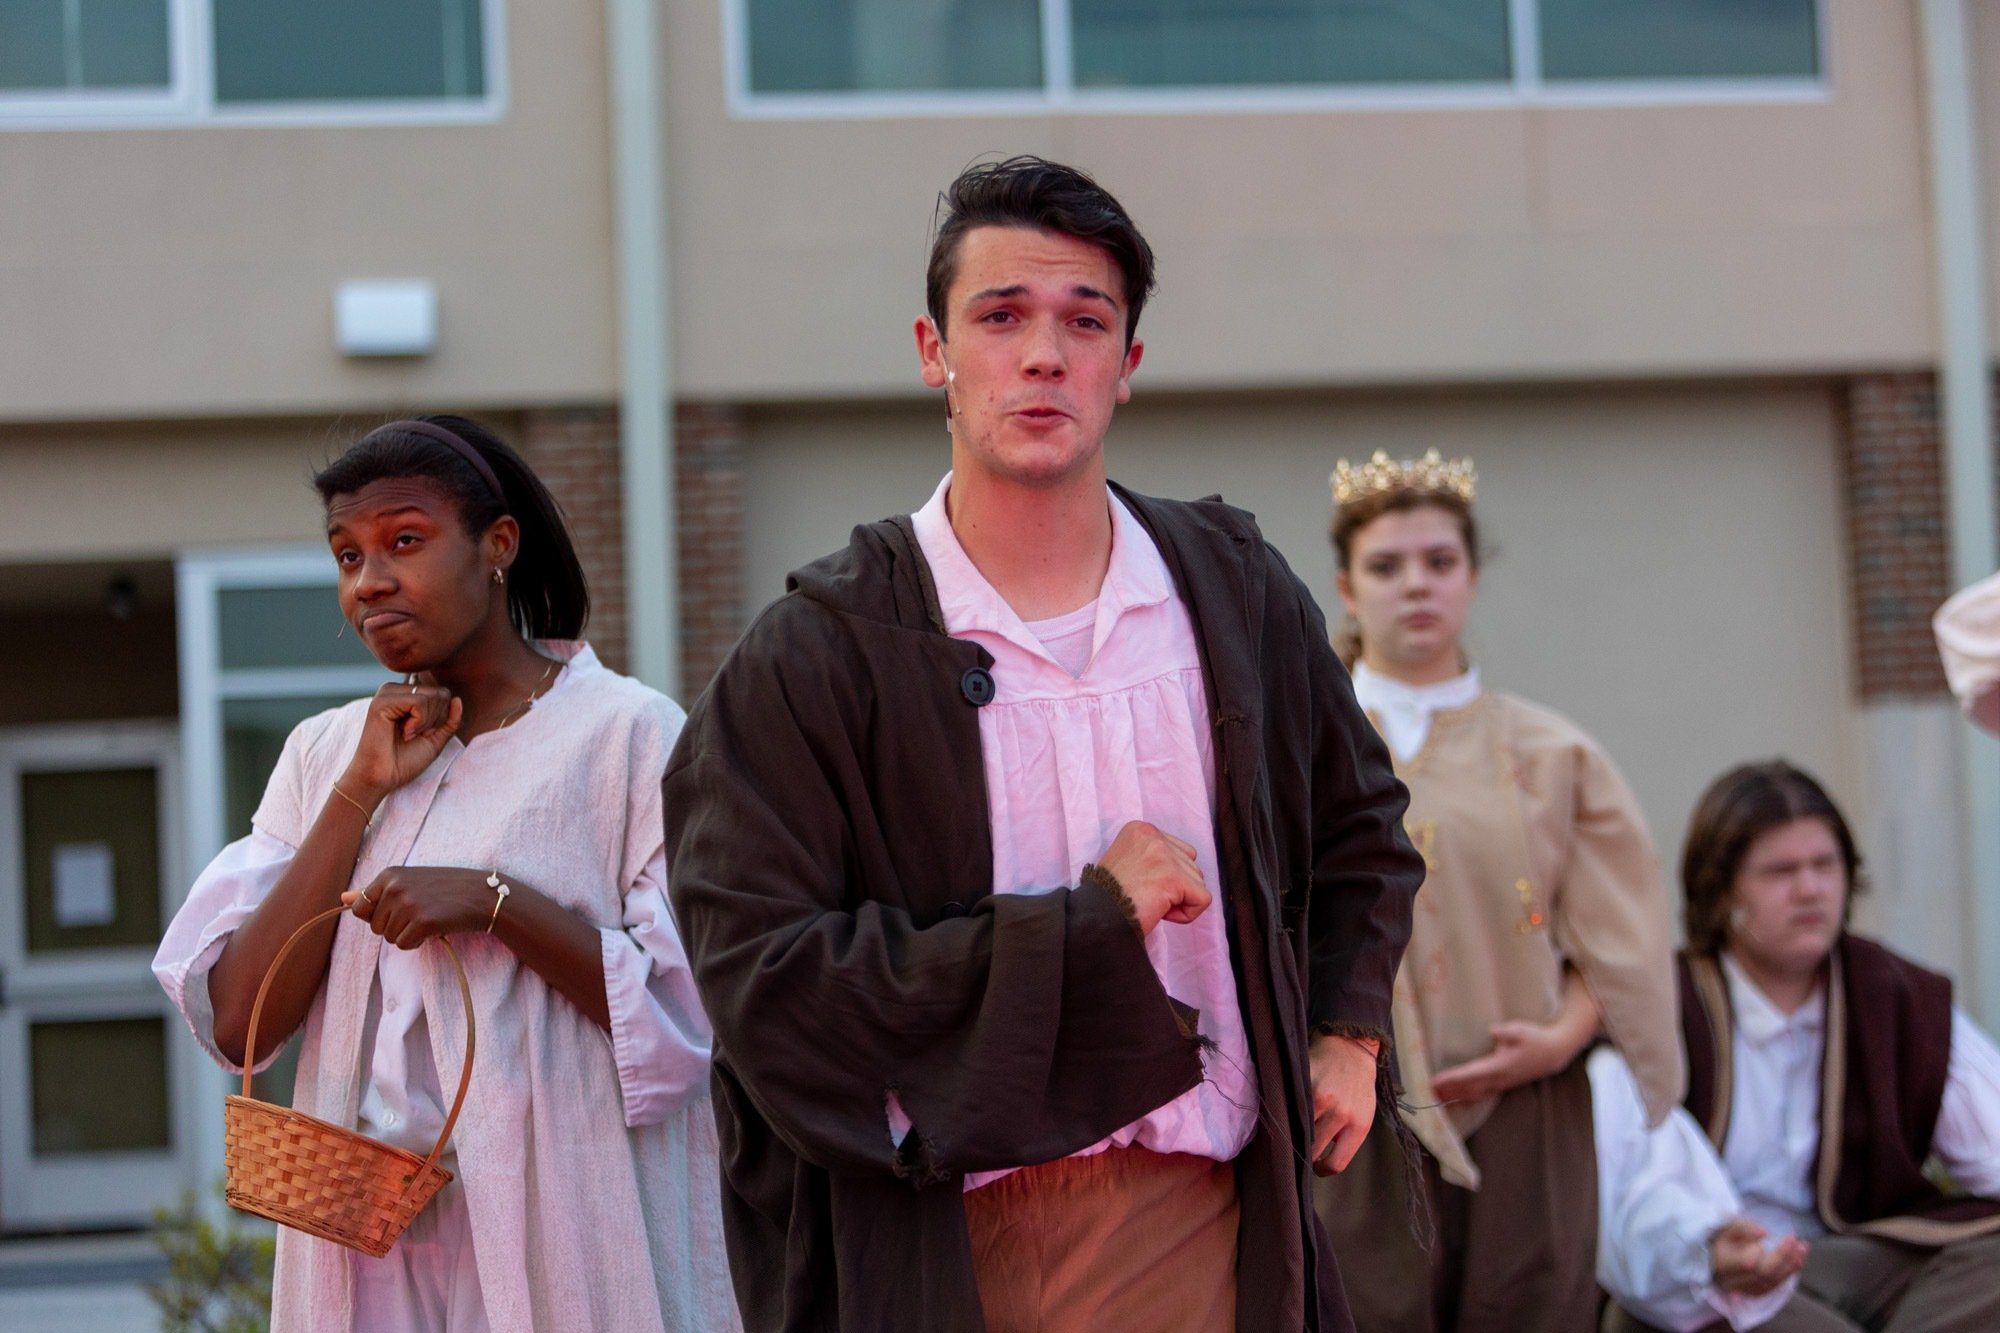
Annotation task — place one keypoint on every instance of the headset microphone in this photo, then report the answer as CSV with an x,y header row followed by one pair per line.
x,y
950,375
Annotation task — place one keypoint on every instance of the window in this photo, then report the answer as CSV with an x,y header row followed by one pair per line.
x,y
84,44
175,61
1193,43
312,50
1667,39
883,45
828,56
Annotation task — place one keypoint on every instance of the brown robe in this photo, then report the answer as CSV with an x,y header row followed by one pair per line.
x,y
830,861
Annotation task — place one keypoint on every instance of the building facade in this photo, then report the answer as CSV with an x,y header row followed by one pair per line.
x,y
1669,281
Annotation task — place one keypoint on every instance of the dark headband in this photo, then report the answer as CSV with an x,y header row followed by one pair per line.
x,y
431,430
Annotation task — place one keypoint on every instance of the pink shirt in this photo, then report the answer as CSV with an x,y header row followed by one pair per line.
x,y
1072,757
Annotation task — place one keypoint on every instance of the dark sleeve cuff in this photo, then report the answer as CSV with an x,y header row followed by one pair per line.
x,y
1363,1030
1098,876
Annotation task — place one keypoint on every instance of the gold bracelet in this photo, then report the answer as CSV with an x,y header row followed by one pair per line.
x,y
366,813
500,899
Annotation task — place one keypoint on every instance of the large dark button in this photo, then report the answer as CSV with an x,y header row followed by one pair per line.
x,y
954,909
977,686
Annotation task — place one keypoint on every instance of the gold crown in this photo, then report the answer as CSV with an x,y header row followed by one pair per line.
x,y
1381,473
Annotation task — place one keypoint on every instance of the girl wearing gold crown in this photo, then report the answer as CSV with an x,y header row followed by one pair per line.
x,y
1542,925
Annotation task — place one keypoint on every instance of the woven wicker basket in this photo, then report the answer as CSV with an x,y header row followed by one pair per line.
x,y
320,1178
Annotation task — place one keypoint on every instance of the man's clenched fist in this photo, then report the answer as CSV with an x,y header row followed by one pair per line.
x,y
1158,873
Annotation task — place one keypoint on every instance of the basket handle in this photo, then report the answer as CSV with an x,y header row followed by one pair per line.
x,y
464,990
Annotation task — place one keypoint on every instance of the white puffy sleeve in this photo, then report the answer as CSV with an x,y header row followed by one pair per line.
x,y
1661,1193
1967,1140
226,893
660,1037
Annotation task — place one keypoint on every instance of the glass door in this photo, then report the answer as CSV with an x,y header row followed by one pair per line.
x,y
262,648
98,1119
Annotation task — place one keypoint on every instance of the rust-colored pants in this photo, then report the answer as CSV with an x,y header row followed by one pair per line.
x,y
1122,1239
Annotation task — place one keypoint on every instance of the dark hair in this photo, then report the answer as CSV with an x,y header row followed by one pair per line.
x,y
1738,808
546,594
1355,515
1046,196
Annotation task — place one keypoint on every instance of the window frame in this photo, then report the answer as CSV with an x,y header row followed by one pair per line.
x,y
189,99
1059,95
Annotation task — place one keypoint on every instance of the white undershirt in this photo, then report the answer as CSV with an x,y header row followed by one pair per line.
x,y
1069,638
1404,712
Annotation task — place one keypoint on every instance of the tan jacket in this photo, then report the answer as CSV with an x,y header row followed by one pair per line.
x,y
1538,859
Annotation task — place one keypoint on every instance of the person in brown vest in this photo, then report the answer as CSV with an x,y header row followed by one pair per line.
x,y
1834,1078
1543,920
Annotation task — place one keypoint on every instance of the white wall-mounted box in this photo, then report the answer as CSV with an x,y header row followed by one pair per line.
x,y
378,317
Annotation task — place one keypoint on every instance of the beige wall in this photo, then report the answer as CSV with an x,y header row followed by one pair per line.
x,y
1984,23
1344,247
190,271
1668,566
152,489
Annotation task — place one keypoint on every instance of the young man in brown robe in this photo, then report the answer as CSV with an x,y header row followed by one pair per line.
x,y
1047,948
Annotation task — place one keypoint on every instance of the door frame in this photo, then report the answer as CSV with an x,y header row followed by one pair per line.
x,y
95,1188
200,576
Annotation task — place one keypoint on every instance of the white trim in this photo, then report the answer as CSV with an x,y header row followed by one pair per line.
x,y
1060,96
350,682
1276,99
1682,92
736,94
291,566
191,100
196,578
1058,56
1524,44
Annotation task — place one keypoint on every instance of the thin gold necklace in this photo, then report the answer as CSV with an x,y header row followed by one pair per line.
x,y
515,713
520,710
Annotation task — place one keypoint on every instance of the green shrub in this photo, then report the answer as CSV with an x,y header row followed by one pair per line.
x,y
218,1277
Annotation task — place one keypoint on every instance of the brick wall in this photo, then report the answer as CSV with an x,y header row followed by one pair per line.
x,y
708,443
575,450
1898,557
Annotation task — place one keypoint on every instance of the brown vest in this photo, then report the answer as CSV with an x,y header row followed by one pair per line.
x,y
1888,1047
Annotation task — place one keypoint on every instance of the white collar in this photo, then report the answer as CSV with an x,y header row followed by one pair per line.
x,y
1761,1021
1404,712
1136,577
1377,691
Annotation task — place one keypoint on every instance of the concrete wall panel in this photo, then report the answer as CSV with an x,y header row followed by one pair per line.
x,y
1665,563
1345,247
